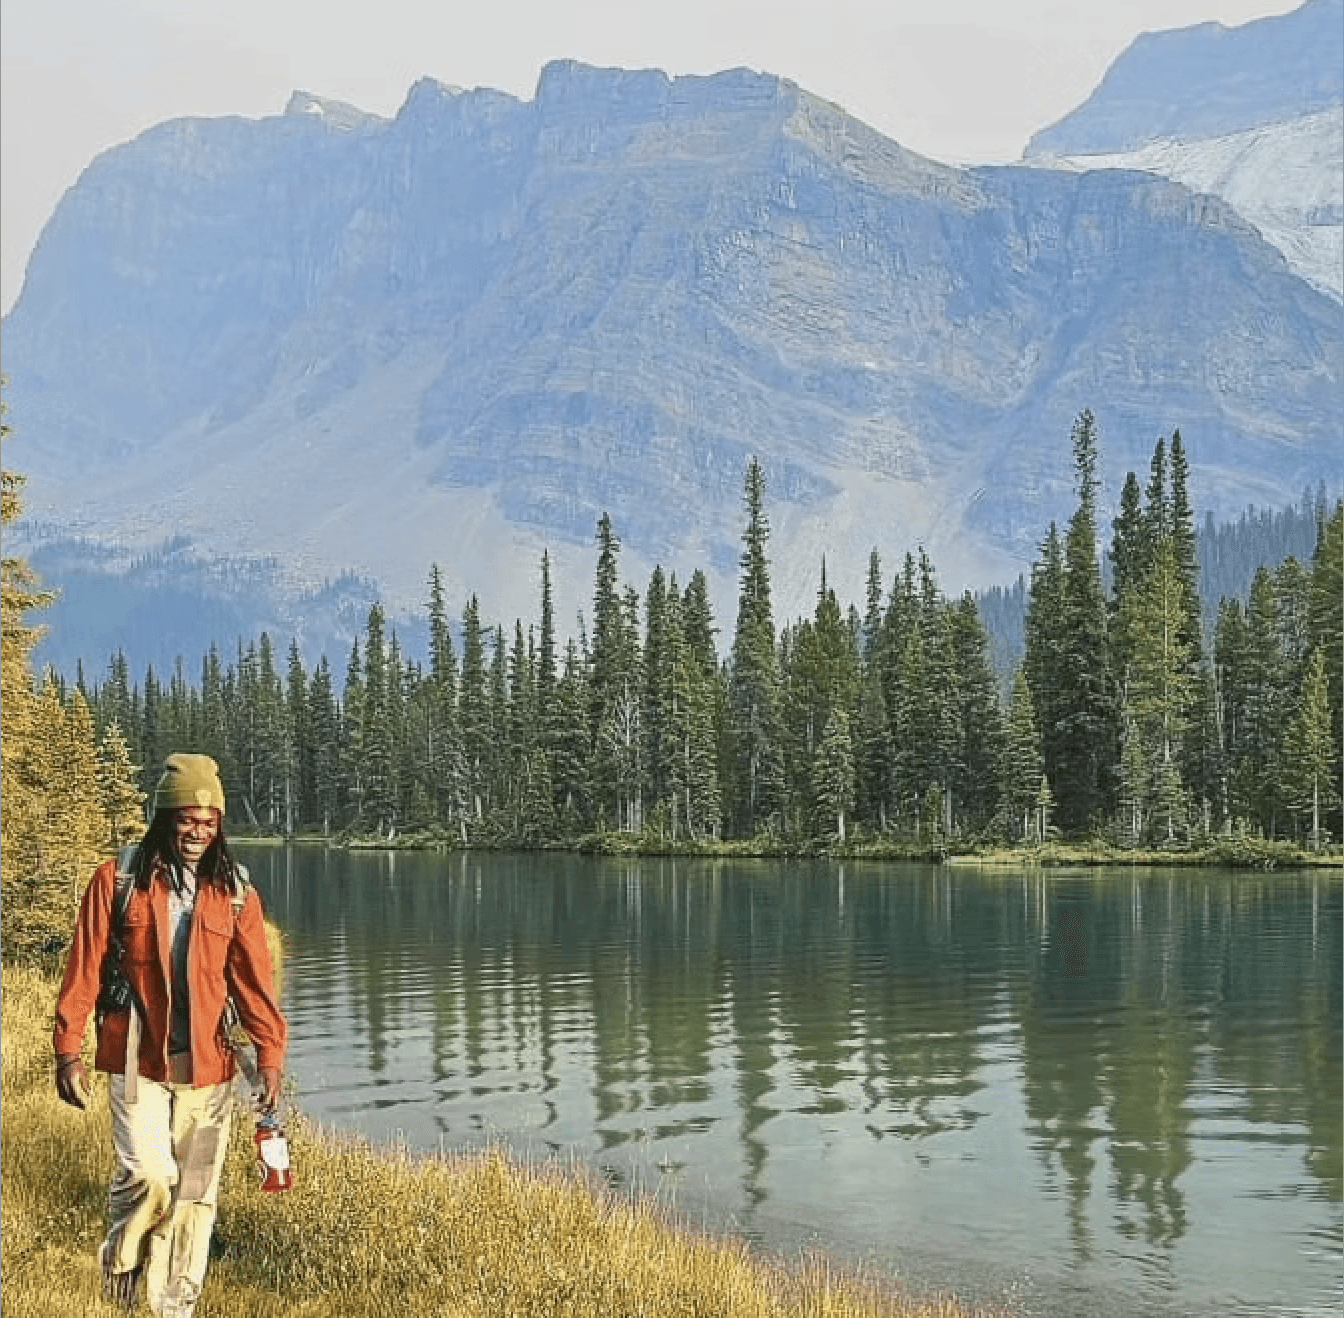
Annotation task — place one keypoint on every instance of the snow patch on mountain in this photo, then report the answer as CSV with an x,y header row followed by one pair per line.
x,y
1287,179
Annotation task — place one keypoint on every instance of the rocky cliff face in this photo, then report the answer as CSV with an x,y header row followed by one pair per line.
x,y
463,334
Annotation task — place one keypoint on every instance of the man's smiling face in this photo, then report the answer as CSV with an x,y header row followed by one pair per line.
x,y
194,829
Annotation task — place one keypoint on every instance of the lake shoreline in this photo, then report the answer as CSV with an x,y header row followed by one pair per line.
x,y
1250,854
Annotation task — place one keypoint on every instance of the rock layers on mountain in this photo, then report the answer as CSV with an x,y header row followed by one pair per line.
x,y
462,334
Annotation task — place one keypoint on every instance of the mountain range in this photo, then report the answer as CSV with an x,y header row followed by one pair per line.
x,y
252,358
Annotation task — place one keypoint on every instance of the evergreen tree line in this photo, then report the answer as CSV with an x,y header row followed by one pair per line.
x,y
1145,737
844,725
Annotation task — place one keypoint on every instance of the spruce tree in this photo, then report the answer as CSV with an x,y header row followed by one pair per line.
x,y
913,729
442,760
660,696
1131,547
874,757
1185,549
1086,742
890,665
1310,753
614,693
155,747
698,621
931,716
627,741
402,679
873,611
379,756
116,704
121,800
1327,626
1206,756
1257,677
701,745
1135,787
979,729
833,778
1021,766
753,687
352,776
547,674
1043,662
527,773
180,723
498,760
1160,693
300,807
1157,507
322,719
821,675
54,829
214,735
571,747
474,710
271,741
76,796
442,660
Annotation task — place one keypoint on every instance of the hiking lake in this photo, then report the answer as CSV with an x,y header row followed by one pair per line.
x,y
1060,1091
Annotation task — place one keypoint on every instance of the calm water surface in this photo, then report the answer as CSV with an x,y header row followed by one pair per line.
x,y
1072,1093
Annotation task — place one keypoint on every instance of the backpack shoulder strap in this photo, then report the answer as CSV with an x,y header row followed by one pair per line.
x,y
121,893
242,881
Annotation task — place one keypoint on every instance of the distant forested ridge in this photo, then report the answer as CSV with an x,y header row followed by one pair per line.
x,y
1127,717
1229,555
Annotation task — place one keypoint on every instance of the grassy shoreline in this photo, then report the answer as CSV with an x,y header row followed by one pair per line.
x,y
370,1231
1219,853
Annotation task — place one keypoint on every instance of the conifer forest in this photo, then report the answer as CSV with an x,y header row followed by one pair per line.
x,y
1135,716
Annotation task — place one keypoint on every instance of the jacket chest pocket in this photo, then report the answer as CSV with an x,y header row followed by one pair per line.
x,y
215,933
138,936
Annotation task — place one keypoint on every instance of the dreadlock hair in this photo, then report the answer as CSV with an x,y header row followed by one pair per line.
x,y
216,865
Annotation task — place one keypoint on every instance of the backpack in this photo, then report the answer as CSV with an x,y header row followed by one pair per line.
x,y
114,993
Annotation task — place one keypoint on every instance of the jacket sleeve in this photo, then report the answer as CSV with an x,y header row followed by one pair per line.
x,y
248,972
84,962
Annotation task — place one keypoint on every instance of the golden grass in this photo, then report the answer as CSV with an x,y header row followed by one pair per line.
x,y
368,1233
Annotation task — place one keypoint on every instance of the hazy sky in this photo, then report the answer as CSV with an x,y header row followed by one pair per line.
x,y
965,81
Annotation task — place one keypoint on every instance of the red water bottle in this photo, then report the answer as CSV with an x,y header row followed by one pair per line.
x,y
272,1154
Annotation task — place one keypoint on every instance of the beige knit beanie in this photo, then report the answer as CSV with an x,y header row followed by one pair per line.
x,y
189,780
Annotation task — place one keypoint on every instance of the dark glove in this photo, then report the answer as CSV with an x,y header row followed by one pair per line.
x,y
269,1097
71,1083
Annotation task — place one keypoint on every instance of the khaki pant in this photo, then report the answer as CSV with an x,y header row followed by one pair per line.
x,y
170,1143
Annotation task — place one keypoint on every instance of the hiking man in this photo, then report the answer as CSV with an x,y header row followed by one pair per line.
x,y
167,936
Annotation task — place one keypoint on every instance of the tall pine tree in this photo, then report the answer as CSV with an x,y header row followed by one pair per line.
x,y
1085,743
753,684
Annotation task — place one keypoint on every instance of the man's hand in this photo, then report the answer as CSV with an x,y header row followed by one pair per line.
x,y
71,1083
269,1097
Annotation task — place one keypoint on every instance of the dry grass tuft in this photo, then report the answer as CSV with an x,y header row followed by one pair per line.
x,y
369,1233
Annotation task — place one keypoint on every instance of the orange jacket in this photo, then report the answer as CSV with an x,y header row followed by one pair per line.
x,y
227,956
